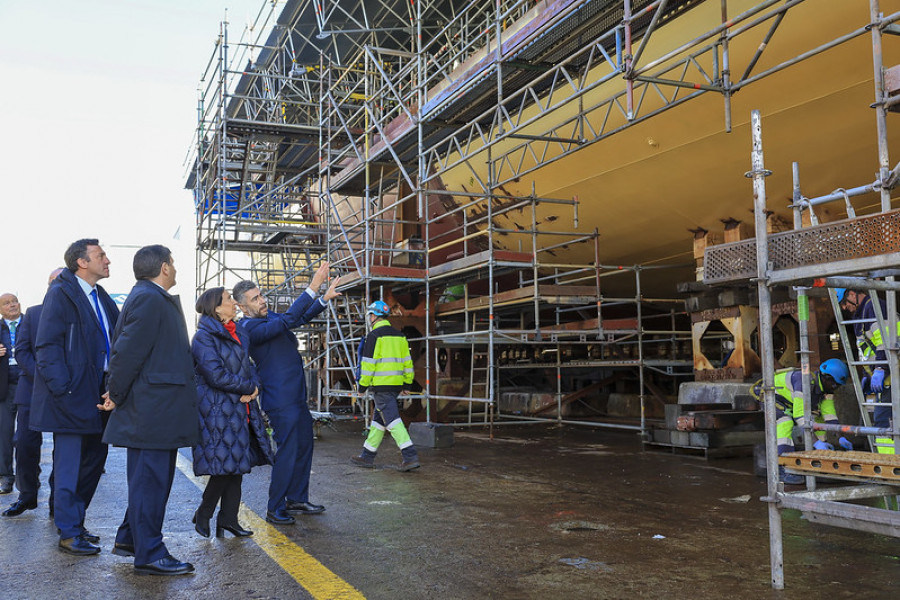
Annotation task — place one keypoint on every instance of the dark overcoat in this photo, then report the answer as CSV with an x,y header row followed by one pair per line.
x,y
26,336
233,436
273,347
5,339
70,351
151,374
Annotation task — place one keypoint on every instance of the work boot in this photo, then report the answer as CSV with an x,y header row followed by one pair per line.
x,y
359,461
409,465
790,478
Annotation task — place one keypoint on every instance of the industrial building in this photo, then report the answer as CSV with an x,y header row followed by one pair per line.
x,y
563,203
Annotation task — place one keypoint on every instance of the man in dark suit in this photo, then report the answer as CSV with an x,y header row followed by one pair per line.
x,y
28,442
11,313
154,407
273,347
4,370
71,358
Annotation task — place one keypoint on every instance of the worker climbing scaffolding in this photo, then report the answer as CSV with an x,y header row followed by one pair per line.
x,y
870,344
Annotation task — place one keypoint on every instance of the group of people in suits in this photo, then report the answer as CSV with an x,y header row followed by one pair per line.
x,y
135,380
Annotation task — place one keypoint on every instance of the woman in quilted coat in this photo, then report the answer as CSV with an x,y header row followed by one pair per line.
x,y
233,439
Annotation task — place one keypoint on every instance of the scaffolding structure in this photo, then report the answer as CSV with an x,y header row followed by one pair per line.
x,y
382,136
495,84
254,217
862,252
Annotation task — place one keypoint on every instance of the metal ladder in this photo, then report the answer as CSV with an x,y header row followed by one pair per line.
x,y
867,402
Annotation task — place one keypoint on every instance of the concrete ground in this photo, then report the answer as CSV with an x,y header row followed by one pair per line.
x,y
537,512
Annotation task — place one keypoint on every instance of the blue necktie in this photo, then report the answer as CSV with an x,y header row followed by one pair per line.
x,y
12,341
100,317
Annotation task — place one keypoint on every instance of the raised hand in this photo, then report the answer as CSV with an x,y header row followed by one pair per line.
x,y
332,292
319,277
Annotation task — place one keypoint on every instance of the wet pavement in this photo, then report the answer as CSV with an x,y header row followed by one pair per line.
x,y
538,512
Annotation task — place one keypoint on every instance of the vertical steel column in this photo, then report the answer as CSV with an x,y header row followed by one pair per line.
x,y
222,140
325,208
597,283
803,322
726,69
423,206
806,375
640,336
884,168
758,174
629,81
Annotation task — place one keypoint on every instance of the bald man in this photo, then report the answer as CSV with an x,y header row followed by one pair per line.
x,y
11,313
28,442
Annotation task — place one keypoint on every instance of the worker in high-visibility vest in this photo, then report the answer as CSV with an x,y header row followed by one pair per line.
x,y
789,407
870,346
386,367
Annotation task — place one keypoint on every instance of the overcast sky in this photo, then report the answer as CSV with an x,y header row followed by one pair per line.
x,y
97,110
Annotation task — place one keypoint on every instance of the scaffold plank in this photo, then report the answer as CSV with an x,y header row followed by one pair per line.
x,y
548,294
502,258
854,464
381,273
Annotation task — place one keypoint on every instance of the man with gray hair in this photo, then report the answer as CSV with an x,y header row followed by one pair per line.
x,y
28,442
11,313
273,347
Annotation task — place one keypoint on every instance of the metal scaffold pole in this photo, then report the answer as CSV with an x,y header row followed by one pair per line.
x,y
758,174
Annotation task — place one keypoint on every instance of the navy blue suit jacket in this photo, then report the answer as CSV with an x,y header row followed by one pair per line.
x,y
25,338
273,347
151,374
69,352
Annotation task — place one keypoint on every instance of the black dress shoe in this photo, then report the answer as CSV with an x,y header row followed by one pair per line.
x,y
201,524
235,530
6,487
78,546
89,537
167,565
18,507
279,517
306,508
123,549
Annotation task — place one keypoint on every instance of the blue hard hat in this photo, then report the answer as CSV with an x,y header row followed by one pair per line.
x,y
837,369
840,293
379,309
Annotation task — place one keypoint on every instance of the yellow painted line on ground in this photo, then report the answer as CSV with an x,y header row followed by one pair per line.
x,y
315,578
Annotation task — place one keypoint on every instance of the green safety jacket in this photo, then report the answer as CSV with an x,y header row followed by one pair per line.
x,y
869,339
789,388
385,364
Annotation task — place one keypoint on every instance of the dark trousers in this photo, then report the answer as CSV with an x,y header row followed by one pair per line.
x,y
7,431
224,488
78,461
150,475
292,428
28,456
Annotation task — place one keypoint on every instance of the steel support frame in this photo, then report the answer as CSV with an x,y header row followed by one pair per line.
x,y
824,507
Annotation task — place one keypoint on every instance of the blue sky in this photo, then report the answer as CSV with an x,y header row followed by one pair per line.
x,y
97,111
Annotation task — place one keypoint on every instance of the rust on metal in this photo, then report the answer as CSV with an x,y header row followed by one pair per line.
x,y
723,374
869,236
865,465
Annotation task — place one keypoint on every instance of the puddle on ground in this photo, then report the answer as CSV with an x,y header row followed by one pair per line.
x,y
586,564
578,526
